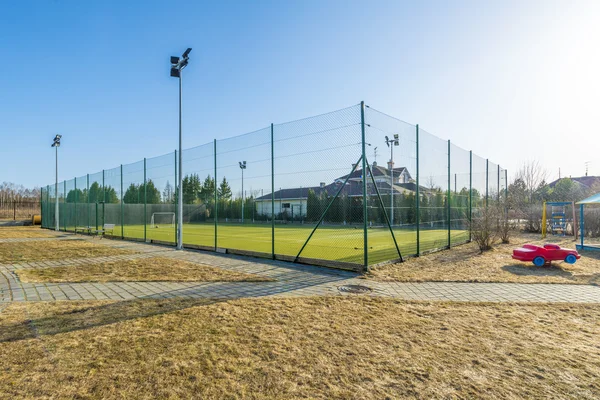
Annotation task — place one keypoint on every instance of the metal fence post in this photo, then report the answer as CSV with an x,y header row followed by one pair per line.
x,y
470,194
42,206
48,205
89,224
272,194
581,223
75,183
487,177
122,207
176,203
448,207
103,199
216,196
498,182
418,214
364,188
506,185
145,216
64,205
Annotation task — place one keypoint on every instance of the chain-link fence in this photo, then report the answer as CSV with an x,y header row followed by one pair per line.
x,y
19,209
350,189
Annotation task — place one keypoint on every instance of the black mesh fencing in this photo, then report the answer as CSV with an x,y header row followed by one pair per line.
x,y
460,183
199,197
392,156
159,192
351,189
480,184
243,171
317,188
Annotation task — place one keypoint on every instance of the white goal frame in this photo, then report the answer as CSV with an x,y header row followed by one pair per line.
x,y
172,223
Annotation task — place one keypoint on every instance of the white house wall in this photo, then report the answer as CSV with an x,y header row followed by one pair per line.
x,y
299,206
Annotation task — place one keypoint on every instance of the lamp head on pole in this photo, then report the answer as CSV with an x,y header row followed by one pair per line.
x,y
395,141
56,142
179,63
242,164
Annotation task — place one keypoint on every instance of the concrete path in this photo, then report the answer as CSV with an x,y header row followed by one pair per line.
x,y
290,280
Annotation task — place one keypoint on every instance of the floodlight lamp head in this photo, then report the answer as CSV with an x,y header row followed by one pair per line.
x,y
175,73
187,52
395,136
174,60
56,142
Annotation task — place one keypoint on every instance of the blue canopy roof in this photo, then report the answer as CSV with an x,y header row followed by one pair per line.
x,y
595,199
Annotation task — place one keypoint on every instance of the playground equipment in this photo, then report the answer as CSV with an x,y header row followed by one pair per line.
x,y
558,218
595,199
541,256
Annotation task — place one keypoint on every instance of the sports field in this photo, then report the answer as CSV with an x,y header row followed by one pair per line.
x,y
330,243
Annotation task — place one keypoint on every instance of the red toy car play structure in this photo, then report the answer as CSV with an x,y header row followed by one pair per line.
x,y
544,255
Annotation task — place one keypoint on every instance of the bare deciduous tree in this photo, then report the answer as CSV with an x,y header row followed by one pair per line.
x,y
10,192
533,175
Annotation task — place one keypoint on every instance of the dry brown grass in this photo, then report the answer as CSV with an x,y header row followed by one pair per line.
x,y
313,347
54,250
466,264
19,232
143,269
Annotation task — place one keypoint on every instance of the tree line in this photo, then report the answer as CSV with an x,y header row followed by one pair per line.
x,y
433,207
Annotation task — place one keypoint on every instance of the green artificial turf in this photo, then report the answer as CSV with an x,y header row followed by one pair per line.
x,y
328,242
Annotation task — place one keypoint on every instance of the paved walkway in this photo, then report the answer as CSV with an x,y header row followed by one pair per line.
x,y
290,280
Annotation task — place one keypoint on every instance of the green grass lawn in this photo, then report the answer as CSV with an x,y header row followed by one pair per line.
x,y
328,242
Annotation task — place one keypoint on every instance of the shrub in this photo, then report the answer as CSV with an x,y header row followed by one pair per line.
x,y
505,226
484,227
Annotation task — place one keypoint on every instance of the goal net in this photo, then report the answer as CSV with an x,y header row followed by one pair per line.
x,y
164,219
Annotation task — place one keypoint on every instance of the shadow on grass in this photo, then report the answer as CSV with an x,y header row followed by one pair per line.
x,y
66,317
532,270
590,254
553,270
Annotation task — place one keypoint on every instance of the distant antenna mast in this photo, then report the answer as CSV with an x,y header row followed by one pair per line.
x,y
587,166
375,151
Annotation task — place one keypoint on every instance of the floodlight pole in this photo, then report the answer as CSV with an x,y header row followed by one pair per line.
x,y
391,144
57,228
180,177
242,167
242,195
392,183
177,66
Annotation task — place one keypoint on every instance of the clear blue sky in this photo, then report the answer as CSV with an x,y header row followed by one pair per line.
x,y
511,80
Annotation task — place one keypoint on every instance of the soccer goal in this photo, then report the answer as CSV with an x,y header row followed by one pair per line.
x,y
165,219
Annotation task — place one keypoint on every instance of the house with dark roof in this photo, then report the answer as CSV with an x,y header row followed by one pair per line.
x,y
294,201
585,181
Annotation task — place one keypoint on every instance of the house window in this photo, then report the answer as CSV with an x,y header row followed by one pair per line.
x,y
285,205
